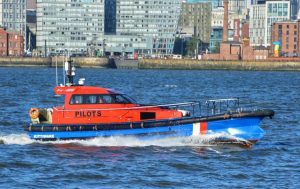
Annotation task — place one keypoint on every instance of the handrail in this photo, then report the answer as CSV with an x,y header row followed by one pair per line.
x,y
136,107
215,106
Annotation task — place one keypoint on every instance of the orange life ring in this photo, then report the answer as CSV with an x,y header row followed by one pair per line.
x,y
34,113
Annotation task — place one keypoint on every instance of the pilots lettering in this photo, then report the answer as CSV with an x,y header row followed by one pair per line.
x,y
93,113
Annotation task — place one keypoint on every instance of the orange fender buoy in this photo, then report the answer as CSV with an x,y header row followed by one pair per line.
x,y
34,113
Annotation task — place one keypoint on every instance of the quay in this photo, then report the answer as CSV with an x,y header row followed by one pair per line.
x,y
85,62
178,64
190,64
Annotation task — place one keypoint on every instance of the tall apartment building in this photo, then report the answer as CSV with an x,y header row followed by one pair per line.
x,y
148,20
13,15
73,26
257,25
197,17
287,33
276,10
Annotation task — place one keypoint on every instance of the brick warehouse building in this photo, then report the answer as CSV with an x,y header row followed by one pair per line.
x,y
288,34
3,42
11,43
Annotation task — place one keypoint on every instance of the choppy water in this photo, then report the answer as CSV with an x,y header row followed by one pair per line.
x,y
274,162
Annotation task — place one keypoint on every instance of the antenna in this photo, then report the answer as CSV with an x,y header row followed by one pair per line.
x,y
64,75
56,74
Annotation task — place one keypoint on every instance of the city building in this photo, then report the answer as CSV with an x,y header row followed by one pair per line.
x,y
245,30
215,3
287,35
295,6
13,16
11,43
257,25
237,49
3,42
31,4
146,27
238,6
257,2
128,45
110,21
30,31
218,18
13,19
215,39
275,11
196,17
15,44
262,16
69,26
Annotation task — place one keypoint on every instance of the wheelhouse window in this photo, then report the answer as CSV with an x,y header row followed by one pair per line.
x,y
101,99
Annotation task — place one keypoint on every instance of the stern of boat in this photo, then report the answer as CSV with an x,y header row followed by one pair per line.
x,y
41,115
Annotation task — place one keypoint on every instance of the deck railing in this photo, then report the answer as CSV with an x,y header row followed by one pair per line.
x,y
219,106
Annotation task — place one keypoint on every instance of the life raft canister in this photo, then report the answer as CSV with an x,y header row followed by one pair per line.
x,y
34,113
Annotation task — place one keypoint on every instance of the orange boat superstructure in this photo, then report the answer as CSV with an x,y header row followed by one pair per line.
x,y
95,105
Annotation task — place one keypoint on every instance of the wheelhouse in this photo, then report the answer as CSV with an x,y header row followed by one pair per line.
x,y
100,99
76,96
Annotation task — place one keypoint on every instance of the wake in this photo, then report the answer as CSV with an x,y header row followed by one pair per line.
x,y
126,141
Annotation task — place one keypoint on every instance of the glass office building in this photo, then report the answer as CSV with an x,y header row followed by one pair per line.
x,y
69,26
144,19
146,27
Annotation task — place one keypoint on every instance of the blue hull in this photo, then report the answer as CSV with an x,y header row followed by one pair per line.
x,y
244,127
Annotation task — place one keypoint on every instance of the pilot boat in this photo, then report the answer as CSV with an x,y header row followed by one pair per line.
x,y
89,112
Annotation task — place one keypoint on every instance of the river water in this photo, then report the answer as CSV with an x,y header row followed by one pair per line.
x,y
120,162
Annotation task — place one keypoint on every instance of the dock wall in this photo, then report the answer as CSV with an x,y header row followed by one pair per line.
x,y
189,64
51,61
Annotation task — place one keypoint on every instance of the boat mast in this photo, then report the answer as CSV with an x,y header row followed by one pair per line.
x,y
70,72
